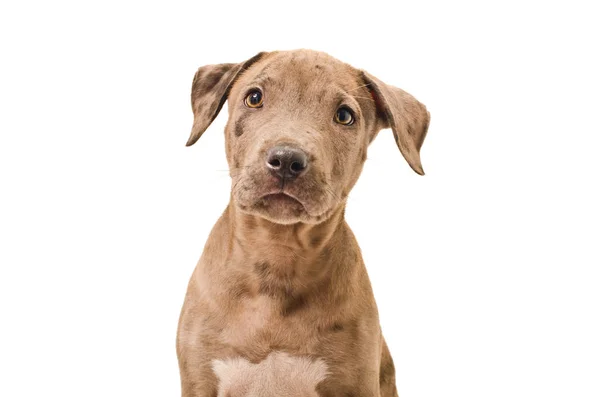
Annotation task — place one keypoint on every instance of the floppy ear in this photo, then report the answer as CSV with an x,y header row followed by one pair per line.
x,y
210,90
407,117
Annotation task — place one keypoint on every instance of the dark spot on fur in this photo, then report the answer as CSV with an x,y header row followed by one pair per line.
x,y
293,304
266,289
250,223
272,283
387,372
212,79
351,329
239,128
261,269
337,327
240,124
316,240
277,290
326,253
326,390
241,290
337,171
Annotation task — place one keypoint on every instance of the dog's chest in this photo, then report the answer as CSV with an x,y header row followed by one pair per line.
x,y
258,330
251,317
259,325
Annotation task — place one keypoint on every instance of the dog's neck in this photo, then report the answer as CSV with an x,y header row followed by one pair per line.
x,y
285,258
299,244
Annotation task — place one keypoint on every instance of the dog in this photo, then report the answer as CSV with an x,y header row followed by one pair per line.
x,y
281,276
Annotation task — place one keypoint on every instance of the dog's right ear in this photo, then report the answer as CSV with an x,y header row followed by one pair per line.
x,y
210,89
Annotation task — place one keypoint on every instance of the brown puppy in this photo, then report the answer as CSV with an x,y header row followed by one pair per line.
x,y
281,270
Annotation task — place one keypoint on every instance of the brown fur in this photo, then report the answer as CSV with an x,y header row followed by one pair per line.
x,y
287,275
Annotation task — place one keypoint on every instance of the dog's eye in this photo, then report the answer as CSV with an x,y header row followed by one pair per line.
x,y
344,116
254,99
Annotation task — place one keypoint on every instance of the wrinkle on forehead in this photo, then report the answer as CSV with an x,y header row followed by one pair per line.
x,y
308,67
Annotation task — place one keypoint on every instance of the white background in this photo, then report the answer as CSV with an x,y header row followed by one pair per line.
x,y
486,270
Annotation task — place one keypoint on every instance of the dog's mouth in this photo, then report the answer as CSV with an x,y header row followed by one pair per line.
x,y
280,199
302,200
280,207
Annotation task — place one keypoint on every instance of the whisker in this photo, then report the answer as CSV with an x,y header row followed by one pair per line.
x,y
364,97
359,87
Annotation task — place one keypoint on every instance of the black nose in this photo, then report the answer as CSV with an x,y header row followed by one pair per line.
x,y
286,162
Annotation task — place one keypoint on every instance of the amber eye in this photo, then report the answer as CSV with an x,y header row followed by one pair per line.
x,y
344,116
254,99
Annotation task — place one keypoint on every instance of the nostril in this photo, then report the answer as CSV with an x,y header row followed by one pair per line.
x,y
297,167
286,161
275,163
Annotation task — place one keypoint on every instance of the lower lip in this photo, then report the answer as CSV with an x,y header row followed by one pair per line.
x,y
280,198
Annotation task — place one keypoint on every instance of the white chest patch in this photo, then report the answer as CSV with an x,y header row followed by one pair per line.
x,y
280,374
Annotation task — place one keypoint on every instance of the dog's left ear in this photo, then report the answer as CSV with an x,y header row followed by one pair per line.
x,y
407,117
210,89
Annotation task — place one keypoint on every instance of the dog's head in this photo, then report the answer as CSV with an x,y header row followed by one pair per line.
x,y
299,126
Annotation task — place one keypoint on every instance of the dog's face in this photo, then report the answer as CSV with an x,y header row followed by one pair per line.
x,y
299,126
295,156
